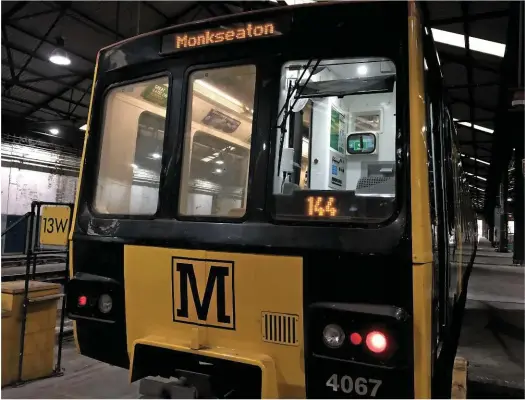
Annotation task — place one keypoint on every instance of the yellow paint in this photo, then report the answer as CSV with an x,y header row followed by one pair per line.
x,y
270,378
75,209
54,225
86,135
421,228
39,338
459,379
150,310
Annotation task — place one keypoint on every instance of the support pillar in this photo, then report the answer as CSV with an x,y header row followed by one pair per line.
x,y
504,216
519,234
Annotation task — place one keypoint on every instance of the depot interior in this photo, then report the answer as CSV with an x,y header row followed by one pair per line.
x,y
339,136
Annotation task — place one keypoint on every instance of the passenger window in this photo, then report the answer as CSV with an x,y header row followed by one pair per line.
x,y
217,141
132,139
336,140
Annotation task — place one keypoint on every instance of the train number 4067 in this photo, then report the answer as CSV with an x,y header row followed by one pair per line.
x,y
360,386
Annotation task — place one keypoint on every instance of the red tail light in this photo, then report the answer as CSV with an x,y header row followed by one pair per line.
x,y
82,301
356,339
376,342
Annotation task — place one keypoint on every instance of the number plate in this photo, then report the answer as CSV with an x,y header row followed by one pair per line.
x,y
360,386
344,380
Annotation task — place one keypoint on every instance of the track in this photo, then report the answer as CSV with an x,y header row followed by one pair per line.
x,y
18,260
54,272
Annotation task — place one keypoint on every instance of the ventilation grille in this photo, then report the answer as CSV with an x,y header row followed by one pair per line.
x,y
280,328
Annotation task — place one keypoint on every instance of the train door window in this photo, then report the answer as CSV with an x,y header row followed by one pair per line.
x,y
217,141
131,151
351,152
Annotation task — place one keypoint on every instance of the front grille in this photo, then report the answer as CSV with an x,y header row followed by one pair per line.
x,y
280,328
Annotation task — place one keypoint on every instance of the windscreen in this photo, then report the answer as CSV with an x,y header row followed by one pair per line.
x,y
336,141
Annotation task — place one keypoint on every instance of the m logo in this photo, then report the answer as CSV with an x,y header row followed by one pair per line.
x,y
203,292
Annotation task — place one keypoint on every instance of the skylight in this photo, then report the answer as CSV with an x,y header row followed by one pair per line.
x,y
476,44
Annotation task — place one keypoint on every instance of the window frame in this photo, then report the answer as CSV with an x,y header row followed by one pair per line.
x,y
402,146
99,127
183,119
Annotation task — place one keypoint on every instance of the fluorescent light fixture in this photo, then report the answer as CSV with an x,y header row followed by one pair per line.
x,y
475,187
476,44
475,159
83,127
156,156
218,170
477,127
295,2
220,162
54,131
362,70
219,92
477,177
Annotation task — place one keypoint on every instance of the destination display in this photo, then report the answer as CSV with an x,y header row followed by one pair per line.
x,y
180,41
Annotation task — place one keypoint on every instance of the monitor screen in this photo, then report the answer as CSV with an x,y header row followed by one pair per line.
x,y
361,143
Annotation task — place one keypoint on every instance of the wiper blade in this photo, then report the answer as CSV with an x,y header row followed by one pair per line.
x,y
288,110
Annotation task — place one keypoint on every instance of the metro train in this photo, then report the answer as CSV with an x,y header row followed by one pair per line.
x,y
272,204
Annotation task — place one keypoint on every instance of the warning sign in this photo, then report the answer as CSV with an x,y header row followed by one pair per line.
x,y
54,225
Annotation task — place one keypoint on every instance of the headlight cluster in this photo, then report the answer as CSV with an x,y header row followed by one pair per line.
x,y
334,338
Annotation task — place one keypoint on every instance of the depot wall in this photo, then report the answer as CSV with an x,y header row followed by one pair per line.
x,y
20,187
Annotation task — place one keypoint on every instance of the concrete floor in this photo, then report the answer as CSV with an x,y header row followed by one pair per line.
x,y
492,340
83,378
492,335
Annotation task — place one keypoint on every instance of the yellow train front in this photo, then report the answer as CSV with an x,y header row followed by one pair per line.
x,y
261,213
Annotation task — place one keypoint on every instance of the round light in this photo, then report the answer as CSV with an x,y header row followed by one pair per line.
x,y
82,301
105,303
59,59
333,336
54,131
362,70
356,338
376,342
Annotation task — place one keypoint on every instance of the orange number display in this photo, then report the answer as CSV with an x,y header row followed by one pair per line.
x,y
318,206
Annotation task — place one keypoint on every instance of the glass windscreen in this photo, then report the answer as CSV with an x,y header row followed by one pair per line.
x,y
217,142
132,142
336,141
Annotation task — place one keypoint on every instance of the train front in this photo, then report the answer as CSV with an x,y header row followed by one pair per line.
x,y
241,225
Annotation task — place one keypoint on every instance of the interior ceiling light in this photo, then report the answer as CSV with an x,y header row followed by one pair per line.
x,y
362,70
477,127
295,2
476,44
54,131
475,176
475,187
59,56
475,159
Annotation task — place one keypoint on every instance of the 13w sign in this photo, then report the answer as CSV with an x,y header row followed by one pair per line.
x,y
54,225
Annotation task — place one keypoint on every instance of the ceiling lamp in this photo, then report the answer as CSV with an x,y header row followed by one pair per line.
x,y
59,56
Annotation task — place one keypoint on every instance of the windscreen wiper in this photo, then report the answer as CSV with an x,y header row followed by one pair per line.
x,y
288,110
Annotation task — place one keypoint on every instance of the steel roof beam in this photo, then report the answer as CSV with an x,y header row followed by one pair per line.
x,y
30,34
16,8
457,59
33,52
44,93
47,109
55,79
470,80
502,142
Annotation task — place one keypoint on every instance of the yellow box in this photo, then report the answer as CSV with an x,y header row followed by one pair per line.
x,y
39,339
